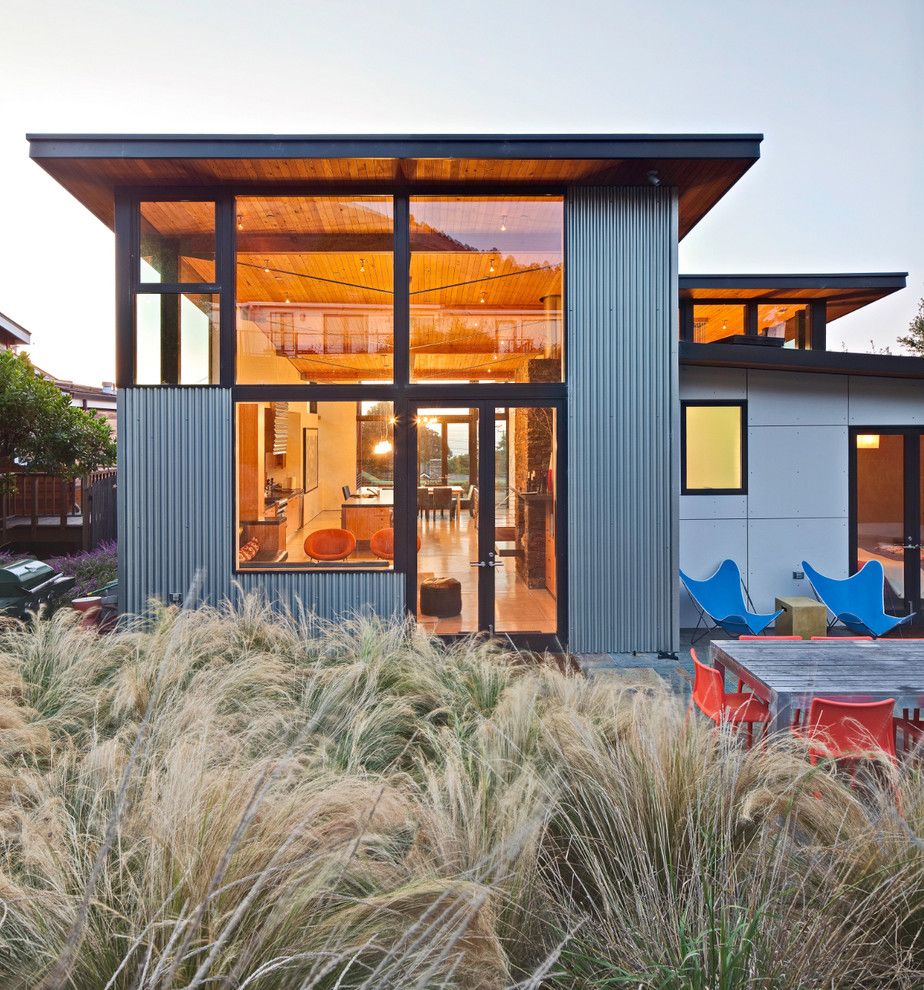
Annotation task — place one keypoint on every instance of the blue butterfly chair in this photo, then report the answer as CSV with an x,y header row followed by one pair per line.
x,y
720,597
858,601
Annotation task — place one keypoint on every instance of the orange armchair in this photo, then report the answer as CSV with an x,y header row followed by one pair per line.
x,y
382,543
330,544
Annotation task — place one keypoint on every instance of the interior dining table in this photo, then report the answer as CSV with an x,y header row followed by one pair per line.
x,y
788,674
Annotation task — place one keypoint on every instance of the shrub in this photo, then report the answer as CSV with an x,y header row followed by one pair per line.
x,y
92,568
233,798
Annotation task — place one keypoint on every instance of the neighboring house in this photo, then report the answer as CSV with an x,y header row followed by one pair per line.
x,y
491,336
101,399
12,335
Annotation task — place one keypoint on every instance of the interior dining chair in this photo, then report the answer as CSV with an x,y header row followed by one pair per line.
x,y
711,698
741,685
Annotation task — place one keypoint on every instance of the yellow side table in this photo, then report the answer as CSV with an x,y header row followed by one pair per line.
x,y
801,616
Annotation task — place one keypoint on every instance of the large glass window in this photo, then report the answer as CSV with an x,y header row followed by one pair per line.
x,y
315,289
176,339
315,485
177,242
713,440
716,321
176,322
789,322
486,288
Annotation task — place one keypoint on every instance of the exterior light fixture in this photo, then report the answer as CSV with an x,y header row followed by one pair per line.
x,y
491,269
867,441
362,266
240,222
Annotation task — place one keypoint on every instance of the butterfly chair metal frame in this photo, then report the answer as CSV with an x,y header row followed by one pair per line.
x,y
729,594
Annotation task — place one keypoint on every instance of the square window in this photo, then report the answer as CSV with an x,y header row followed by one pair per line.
x,y
713,442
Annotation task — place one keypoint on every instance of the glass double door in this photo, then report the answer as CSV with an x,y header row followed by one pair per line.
x,y
487,519
887,469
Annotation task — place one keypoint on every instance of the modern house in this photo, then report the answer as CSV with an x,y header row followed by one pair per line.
x,y
461,376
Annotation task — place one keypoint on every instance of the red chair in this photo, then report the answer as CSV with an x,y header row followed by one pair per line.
x,y
330,544
382,543
711,699
849,730
741,684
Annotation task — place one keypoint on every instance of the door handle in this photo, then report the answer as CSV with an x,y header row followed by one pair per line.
x,y
912,546
495,563
490,563
477,563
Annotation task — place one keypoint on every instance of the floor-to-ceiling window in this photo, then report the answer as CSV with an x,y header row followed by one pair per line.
x,y
375,344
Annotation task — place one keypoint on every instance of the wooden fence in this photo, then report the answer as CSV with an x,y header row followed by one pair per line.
x,y
46,507
99,508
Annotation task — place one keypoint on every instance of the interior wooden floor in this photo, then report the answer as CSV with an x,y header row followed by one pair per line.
x,y
446,549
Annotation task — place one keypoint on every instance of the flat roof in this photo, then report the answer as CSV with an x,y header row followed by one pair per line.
x,y
12,333
844,292
703,167
787,359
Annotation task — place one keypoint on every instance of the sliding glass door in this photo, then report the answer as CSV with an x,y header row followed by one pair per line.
x,y
887,510
488,520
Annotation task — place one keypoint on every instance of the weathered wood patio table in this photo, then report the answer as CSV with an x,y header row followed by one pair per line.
x,y
787,675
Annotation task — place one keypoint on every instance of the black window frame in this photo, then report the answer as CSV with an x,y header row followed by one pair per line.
x,y
401,392
742,406
817,308
128,280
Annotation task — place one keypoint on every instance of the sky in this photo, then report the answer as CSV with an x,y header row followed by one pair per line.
x,y
835,86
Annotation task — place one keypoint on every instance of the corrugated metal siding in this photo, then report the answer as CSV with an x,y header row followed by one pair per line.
x,y
176,508
621,271
174,493
331,595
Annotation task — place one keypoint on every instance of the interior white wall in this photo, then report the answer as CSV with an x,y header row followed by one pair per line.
x,y
797,502
336,452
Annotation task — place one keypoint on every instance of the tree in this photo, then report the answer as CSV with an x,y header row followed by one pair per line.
x,y
914,339
41,432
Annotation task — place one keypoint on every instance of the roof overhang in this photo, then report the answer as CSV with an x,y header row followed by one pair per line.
x,y
844,293
12,333
820,362
701,167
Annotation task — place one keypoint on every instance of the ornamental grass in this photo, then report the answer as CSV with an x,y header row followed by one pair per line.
x,y
233,797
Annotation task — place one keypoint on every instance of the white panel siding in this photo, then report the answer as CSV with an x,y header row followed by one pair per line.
x,y
621,297
797,471
713,506
886,402
788,398
175,513
713,383
777,547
